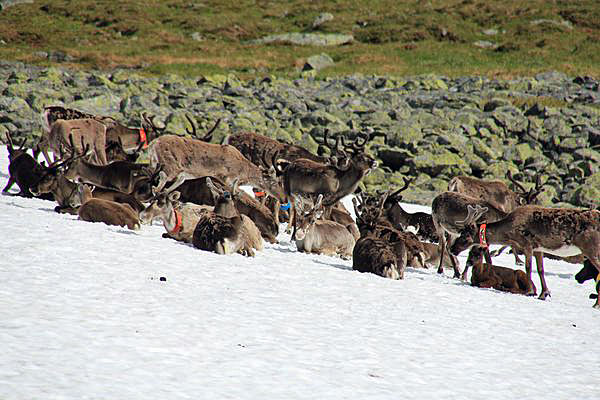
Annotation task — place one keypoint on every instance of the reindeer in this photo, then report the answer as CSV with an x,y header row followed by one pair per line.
x,y
197,191
87,132
586,273
122,176
536,230
420,222
449,213
314,235
375,255
371,223
116,134
496,192
195,158
23,169
334,180
497,277
179,218
66,194
109,212
225,231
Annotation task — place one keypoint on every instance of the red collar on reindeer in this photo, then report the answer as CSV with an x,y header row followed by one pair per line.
x,y
178,223
143,138
482,238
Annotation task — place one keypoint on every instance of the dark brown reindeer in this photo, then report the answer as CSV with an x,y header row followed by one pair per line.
x,y
225,230
374,251
122,176
334,180
24,170
587,272
497,277
314,235
535,230
421,222
66,194
450,211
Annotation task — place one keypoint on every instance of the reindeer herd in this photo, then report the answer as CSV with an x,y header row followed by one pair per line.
x,y
192,187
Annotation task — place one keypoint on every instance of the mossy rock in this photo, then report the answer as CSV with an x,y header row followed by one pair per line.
x,y
442,161
107,104
498,170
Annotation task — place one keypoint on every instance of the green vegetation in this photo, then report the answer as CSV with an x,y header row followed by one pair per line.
x,y
391,37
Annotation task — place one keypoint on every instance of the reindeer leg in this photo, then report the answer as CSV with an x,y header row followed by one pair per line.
x,y
11,181
596,263
442,244
539,260
528,261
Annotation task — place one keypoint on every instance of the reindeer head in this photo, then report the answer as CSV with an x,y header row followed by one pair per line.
x,y
224,199
270,181
12,152
469,234
306,219
149,127
207,137
368,212
353,155
525,196
164,201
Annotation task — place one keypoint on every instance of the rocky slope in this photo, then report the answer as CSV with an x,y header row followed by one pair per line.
x,y
434,127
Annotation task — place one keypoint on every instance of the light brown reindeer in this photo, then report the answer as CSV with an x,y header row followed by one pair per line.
x,y
108,212
535,230
179,218
195,158
314,235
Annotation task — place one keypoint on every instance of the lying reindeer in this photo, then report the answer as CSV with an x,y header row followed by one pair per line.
x,y
197,191
226,231
66,195
314,235
179,219
497,277
109,212
373,252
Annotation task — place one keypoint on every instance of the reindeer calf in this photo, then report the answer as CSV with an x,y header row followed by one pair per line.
x,y
109,212
497,277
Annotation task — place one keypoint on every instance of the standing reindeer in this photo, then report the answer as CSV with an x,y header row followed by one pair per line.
x,y
334,180
450,212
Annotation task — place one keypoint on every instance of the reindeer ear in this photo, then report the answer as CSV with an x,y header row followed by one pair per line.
x,y
174,196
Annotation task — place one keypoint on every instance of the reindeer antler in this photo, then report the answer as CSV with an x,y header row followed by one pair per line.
x,y
407,182
473,214
515,182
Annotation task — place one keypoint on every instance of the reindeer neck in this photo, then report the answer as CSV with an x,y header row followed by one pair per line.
x,y
86,195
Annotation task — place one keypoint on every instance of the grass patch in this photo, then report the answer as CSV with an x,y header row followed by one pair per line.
x,y
391,37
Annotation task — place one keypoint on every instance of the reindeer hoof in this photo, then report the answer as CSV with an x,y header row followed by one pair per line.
x,y
544,295
440,270
593,296
596,306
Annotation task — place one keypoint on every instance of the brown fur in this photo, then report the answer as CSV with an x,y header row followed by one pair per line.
x,y
371,254
109,212
497,277
533,229
196,158
84,132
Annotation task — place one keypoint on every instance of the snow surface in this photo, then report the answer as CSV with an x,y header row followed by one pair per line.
x,y
83,315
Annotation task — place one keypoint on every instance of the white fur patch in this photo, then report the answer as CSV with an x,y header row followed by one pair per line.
x,y
412,229
564,251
